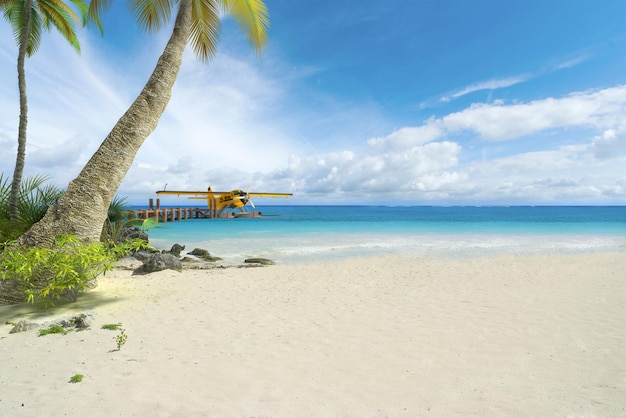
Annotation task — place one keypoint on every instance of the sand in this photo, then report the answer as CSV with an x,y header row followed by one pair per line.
x,y
507,335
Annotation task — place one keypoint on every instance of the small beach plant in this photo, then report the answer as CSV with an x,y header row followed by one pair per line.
x,y
121,339
77,378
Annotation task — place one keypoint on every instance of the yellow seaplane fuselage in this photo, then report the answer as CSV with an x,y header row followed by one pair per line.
x,y
221,201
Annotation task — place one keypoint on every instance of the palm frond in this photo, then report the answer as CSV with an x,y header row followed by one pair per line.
x,y
5,186
44,13
117,209
35,198
80,5
61,17
35,35
32,183
152,14
97,9
13,12
253,19
5,192
205,29
85,19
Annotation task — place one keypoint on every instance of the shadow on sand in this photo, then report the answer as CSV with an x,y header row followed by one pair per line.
x,y
39,312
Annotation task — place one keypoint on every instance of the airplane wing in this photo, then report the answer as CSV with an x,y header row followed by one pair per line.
x,y
189,193
200,194
271,194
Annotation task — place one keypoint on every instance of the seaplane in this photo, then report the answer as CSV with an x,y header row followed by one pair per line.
x,y
231,204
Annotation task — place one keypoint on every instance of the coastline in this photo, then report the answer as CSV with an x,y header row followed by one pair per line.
x,y
300,234
394,335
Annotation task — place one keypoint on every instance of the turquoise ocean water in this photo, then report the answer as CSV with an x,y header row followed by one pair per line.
x,y
293,234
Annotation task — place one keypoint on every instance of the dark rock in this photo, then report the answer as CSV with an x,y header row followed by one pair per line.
x,y
142,255
258,260
176,249
82,321
211,258
133,233
204,255
199,252
159,262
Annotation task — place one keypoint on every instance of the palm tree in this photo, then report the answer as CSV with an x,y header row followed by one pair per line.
x,y
28,18
82,209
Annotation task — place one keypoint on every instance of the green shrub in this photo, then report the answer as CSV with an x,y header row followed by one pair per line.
x,y
65,270
9,231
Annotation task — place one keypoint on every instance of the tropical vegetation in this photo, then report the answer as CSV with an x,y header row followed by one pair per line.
x,y
69,266
82,209
64,270
60,255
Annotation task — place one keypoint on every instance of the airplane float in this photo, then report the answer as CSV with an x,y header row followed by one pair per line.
x,y
225,204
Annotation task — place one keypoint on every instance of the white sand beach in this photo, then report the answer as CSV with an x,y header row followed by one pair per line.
x,y
508,335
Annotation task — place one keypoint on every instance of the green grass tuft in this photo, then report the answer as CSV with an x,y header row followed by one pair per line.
x,y
112,327
53,329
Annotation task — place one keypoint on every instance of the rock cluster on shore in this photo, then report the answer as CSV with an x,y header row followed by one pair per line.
x,y
78,322
149,261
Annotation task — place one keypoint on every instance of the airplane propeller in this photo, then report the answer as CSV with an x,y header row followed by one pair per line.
x,y
249,199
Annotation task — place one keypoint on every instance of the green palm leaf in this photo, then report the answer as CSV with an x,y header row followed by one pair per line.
x,y
205,28
253,19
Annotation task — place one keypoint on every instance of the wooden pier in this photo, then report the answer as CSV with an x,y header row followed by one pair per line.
x,y
179,214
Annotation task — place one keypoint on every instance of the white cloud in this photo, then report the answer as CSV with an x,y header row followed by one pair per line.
x,y
67,153
361,176
571,63
418,164
500,83
499,122
610,144
408,136
563,175
486,85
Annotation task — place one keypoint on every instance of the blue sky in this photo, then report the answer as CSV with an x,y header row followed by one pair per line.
x,y
405,102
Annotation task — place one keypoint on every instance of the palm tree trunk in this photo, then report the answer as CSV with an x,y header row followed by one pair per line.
x,y
82,209
21,134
